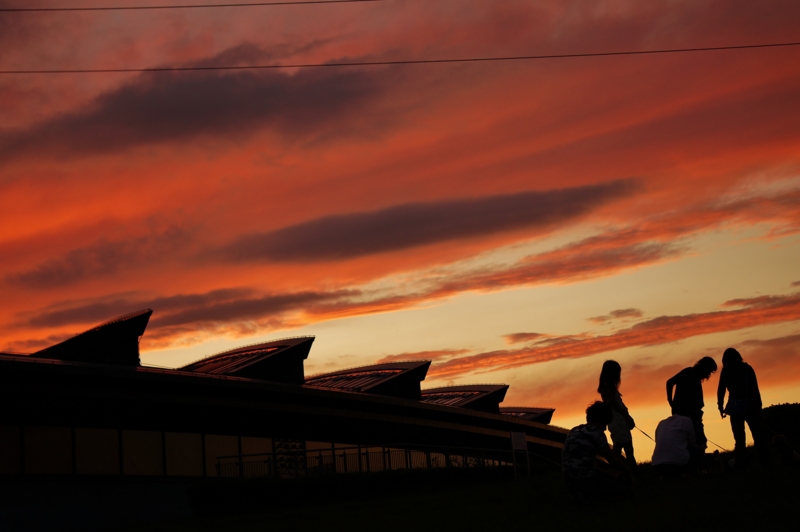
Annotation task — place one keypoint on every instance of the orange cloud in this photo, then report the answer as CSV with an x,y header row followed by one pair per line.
x,y
241,310
518,338
117,184
440,354
616,315
660,330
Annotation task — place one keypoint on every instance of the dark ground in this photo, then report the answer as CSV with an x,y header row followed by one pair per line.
x,y
491,499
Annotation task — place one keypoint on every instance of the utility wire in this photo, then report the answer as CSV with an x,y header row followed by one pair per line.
x,y
400,62
189,6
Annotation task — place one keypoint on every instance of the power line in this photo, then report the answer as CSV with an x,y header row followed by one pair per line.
x,y
400,62
190,6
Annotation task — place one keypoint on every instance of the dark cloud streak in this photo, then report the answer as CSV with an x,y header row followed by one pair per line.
x,y
174,107
345,236
101,259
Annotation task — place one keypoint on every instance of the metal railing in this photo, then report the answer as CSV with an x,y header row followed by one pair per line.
x,y
362,459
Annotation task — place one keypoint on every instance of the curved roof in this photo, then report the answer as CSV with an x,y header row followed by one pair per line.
x,y
481,397
529,413
393,379
277,360
113,342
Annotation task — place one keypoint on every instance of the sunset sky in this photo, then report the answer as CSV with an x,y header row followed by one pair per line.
x,y
516,222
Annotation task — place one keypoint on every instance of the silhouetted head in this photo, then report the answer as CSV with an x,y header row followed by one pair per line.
x,y
705,367
610,375
731,357
599,413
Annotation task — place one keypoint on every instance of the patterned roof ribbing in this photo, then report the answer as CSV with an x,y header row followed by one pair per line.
x,y
395,379
357,381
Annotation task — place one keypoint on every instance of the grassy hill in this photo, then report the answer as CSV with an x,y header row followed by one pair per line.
x,y
784,419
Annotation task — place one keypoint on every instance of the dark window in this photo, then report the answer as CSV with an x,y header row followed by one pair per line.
x,y
97,451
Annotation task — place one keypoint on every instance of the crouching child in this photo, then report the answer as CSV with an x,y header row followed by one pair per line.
x,y
587,479
676,453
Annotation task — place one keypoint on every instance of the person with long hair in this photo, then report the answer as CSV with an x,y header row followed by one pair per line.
x,y
622,423
744,405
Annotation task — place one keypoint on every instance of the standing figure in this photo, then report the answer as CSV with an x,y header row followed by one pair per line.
x,y
688,398
622,422
744,405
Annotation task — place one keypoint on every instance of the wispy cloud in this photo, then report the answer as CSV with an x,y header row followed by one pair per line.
x,y
519,338
170,107
660,330
617,315
100,259
441,354
410,225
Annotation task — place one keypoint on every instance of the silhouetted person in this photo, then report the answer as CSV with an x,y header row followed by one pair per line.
x,y
583,444
676,451
688,398
744,405
622,422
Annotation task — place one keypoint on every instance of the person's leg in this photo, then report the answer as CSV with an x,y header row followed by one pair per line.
x,y
696,458
699,431
755,422
740,443
629,458
701,441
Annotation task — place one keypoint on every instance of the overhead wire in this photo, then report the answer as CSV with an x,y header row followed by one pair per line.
x,y
178,6
400,62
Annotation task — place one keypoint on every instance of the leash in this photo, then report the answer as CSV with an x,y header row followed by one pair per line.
x,y
721,447
709,441
646,434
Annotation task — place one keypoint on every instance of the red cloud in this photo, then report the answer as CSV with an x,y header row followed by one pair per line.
x,y
661,330
441,354
519,338
617,315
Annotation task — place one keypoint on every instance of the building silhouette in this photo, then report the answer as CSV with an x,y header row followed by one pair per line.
x,y
86,406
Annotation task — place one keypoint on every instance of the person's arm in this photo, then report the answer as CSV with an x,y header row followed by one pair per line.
x,y
612,458
670,385
616,462
755,391
721,392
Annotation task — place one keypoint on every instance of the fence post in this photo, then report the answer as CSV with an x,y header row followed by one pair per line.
x,y
428,459
514,461
519,442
